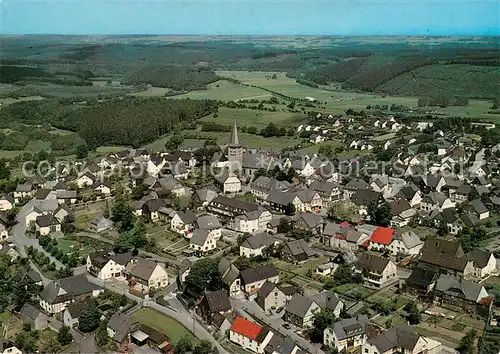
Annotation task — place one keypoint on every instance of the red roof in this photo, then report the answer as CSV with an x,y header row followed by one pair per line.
x,y
246,328
345,224
383,235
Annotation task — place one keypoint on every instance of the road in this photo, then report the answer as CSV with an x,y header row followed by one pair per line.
x,y
275,323
82,343
20,239
180,313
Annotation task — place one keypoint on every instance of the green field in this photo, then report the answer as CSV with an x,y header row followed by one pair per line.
x,y
224,90
167,325
259,119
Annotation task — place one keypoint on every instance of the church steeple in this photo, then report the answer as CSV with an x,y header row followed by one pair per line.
x,y
234,136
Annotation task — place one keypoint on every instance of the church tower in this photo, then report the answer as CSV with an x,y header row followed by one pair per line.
x,y
235,150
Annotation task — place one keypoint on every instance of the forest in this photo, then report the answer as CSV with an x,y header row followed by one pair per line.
x,y
131,121
178,78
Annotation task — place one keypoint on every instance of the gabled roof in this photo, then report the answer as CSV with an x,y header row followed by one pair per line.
x,y
456,286
142,269
298,247
372,262
46,220
199,237
477,206
187,217
409,238
383,235
208,222
422,277
312,220
257,241
350,327
365,197
299,305
251,275
401,336
218,301
327,300
480,258
357,183
246,328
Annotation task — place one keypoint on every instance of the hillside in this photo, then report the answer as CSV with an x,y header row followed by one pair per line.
x,y
451,80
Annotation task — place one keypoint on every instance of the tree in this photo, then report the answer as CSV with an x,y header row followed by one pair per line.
x,y
82,151
4,170
252,130
64,336
184,345
341,211
467,343
89,319
284,226
379,214
322,320
413,313
204,347
138,191
174,142
122,213
204,274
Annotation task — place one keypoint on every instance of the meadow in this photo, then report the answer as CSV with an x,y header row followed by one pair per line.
x,y
259,119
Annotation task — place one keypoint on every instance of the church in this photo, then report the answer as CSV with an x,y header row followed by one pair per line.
x,y
227,179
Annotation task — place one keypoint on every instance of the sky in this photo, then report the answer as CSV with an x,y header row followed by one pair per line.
x,y
252,17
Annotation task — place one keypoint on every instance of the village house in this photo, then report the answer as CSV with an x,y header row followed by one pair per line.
x,y
381,238
346,334
23,191
86,180
254,245
263,185
297,251
102,188
228,182
58,294
445,257
100,224
252,279
6,202
345,237
249,335
72,312
252,221
300,311
230,207
270,297
328,191
406,243
352,186
32,316
201,241
202,197
183,223
362,199
46,224
400,339
66,197
477,208
213,303
230,276
308,222
105,266
376,271
155,165
211,224
484,263
145,275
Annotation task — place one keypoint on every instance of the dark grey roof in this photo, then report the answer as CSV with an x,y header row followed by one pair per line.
x,y
480,258
458,287
299,305
208,222
357,183
46,220
29,313
312,220
199,237
251,275
286,346
122,258
228,271
143,269
71,286
218,301
278,197
327,300
187,217
266,289
298,247
75,309
350,327
421,277
401,336
259,240
477,206
365,196
120,323
372,262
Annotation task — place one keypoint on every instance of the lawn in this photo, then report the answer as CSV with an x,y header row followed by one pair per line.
x,y
256,118
67,246
314,148
167,325
227,91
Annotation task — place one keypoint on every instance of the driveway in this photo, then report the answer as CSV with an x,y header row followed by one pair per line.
x,y
276,323
19,235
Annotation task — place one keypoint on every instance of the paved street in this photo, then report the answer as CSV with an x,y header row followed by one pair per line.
x,y
19,234
179,313
274,322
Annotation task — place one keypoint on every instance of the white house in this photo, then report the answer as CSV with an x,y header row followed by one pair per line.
x,y
252,221
249,335
104,266
401,339
406,243
228,182
254,245
6,202
202,242
85,180
145,275
253,278
182,223
347,333
46,224
270,296
484,263
376,271
102,188
4,234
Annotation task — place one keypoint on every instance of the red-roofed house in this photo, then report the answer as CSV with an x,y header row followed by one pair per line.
x,y
249,335
381,238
